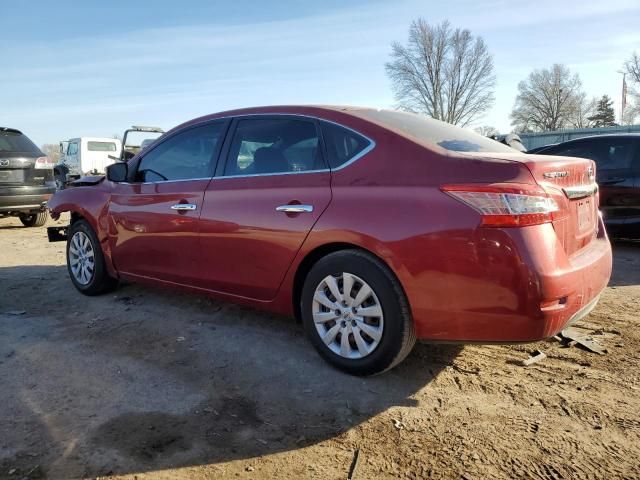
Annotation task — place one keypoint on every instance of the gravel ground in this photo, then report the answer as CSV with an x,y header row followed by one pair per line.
x,y
146,383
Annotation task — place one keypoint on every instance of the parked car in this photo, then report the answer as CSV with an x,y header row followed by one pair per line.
x,y
83,156
617,160
373,227
26,179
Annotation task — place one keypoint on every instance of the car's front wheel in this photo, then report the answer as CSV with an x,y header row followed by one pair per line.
x,y
34,219
356,313
85,261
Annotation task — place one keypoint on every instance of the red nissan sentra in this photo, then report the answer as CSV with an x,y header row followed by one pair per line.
x,y
374,227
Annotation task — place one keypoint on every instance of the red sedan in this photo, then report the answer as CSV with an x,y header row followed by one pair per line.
x,y
373,227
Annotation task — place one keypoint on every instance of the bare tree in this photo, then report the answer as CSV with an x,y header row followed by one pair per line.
x,y
580,117
632,109
52,151
444,73
487,131
632,66
547,100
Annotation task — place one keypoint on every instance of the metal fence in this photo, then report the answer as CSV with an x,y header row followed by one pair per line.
x,y
540,139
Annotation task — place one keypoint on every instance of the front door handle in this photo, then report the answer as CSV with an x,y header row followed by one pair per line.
x,y
294,208
183,206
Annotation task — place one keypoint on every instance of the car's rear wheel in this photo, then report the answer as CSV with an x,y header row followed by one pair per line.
x,y
34,219
85,261
356,313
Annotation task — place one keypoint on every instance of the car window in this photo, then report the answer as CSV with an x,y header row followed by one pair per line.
x,y
72,149
574,149
608,153
101,146
273,145
342,144
429,130
13,141
615,154
184,156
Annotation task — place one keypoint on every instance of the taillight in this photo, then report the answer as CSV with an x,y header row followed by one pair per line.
x,y
44,163
506,205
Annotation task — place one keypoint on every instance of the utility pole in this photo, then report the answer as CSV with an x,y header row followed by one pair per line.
x,y
624,96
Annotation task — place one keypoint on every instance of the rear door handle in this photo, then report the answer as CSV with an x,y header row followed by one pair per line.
x,y
183,206
294,208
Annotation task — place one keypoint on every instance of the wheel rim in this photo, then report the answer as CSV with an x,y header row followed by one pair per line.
x,y
348,315
81,258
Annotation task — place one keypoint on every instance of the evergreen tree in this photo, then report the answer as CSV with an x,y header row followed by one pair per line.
x,y
604,115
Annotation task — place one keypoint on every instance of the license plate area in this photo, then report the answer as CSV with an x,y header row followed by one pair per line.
x,y
11,176
585,214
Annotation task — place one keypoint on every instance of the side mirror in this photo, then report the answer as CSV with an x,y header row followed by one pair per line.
x,y
117,172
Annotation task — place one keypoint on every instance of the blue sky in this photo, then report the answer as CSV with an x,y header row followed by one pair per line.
x,y
95,67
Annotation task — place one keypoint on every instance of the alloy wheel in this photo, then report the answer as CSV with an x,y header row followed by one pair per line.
x,y
81,258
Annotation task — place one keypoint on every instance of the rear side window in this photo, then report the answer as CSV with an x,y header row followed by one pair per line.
x,y
608,153
578,149
429,130
16,142
186,155
101,146
342,144
269,146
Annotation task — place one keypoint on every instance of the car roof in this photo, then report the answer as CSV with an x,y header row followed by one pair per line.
x,y
305,110
12,130
605,135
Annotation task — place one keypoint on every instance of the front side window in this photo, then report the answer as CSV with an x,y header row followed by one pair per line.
x,y
267,146
101,146
342,144
186,155
72,149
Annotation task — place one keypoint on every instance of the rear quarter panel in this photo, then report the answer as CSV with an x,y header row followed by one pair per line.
x,y
390,203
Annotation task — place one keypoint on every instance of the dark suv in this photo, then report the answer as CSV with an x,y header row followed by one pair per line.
x,y
26,179
617,160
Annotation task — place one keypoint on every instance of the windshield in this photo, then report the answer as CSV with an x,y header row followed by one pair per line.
x,y
16,142
433,131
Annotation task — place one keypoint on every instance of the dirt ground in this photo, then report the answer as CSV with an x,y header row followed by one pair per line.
x,y
147,383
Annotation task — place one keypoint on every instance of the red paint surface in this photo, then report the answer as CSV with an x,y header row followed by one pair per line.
x,y
463,281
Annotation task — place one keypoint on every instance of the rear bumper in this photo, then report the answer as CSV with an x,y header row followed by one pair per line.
x,y
18,199
518,286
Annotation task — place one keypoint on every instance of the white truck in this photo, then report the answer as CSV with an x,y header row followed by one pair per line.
x,y
85,156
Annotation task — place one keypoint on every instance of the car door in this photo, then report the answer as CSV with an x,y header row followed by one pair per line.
x,y
154,217
632,223
264,200
72,157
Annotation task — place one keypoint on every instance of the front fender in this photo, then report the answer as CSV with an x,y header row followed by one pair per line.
x,y
91,203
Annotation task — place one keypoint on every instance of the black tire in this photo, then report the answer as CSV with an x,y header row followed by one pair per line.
x,y
34,219
100,281
398,335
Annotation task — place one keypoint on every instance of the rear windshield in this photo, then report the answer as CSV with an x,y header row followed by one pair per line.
x,y
101,146
16,142
436,132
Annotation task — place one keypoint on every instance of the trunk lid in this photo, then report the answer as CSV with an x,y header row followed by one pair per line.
x,y
570,181
18,169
